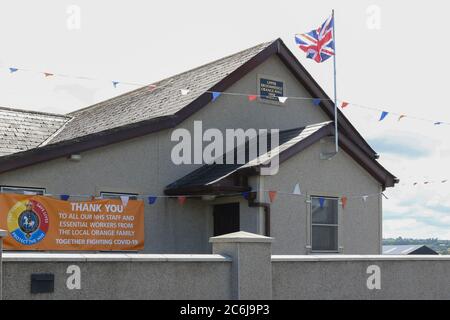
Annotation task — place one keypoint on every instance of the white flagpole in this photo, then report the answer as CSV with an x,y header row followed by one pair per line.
x,y
336,136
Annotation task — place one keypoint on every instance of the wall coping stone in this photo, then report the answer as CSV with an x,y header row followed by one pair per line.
x,y
111,257
241,236
336,258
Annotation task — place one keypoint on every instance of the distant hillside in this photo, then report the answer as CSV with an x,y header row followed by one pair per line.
x,y
440,246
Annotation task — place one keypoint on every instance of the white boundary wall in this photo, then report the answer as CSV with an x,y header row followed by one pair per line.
x,y
361,277
241,267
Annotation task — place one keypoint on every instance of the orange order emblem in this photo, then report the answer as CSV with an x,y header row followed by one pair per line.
x,y
28,222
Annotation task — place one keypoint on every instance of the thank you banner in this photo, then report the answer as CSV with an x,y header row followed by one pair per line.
x,y
44,223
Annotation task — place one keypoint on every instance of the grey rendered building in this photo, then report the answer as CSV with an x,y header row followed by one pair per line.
x,y
123,146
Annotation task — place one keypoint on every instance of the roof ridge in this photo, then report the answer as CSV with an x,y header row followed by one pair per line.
x,y
35,112
217,60
172,76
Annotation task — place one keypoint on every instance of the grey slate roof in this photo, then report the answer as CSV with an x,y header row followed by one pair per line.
x,y
145,103
23,130
210,174
407,250
147,110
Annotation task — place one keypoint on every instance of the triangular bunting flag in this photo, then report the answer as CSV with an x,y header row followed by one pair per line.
x,y
124,200
297,190
64,197
344,201
182,200
344,104
272,196
252,98
215,95
48,74
316,101
282,99
12,70
115,83
184,92
321,202
151,200
401,117
384,114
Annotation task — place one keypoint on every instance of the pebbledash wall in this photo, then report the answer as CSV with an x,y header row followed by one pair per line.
x,y
241,267
143,165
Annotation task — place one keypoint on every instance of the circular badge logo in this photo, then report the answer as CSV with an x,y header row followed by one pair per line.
x,y
28,222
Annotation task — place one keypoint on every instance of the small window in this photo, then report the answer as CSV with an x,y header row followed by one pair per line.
x,y
23,190
117,195
324,224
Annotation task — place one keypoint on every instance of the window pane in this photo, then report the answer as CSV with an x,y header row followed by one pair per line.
x,y
324,238
327,214
113,195
22,190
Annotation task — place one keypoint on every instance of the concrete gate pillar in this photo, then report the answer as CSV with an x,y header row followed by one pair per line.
x,y
251,277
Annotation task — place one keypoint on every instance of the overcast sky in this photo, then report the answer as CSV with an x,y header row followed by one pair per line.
x,y
392,55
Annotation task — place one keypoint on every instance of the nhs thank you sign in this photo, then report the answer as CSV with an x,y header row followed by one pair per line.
x,y
43,223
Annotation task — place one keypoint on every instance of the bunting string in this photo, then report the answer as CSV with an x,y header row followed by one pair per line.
x,y
46,74
274,194
270,195
421,183
344,105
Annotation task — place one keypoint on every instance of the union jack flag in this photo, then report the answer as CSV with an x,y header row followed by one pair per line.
x,y
318,44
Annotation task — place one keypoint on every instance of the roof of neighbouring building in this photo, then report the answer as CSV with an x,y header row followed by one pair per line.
x,y
24,130
408,250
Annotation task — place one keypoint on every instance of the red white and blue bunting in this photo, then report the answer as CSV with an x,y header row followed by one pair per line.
x,y
252,97
270,195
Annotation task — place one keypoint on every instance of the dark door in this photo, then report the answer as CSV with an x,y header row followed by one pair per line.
x,y
226,219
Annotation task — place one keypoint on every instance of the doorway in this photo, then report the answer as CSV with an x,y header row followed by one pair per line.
x,y
226,219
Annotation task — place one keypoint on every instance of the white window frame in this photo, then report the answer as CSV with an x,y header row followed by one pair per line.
x,y
337,225
22,190
117,195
